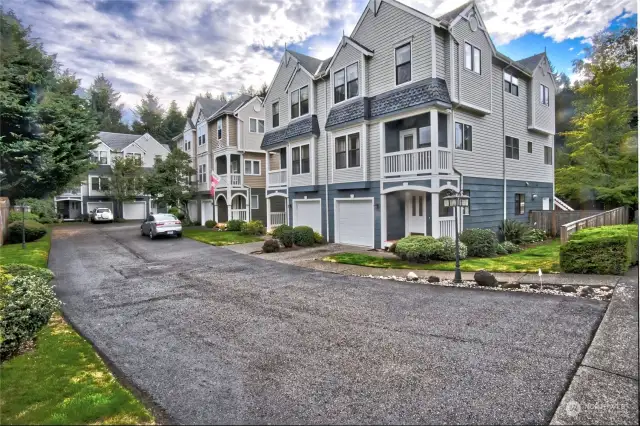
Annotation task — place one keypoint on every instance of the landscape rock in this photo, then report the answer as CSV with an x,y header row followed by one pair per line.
x,y
411,276
433,279
605,288
548,287
510,285
586,291
568,288
485,279
534,285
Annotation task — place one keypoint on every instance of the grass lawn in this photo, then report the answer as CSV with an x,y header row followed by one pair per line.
x,y
35,253
545,256
63,381
218,238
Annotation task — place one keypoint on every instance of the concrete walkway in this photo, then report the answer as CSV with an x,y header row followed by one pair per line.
x,y
604,390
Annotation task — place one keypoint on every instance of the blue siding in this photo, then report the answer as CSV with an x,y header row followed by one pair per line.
x,y
395,215
541,189
298,193
425,182
372,192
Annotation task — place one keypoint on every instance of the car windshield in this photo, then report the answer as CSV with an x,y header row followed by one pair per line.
x,y
161,217
102,210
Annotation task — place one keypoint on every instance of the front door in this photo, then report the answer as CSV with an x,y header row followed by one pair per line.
x,y
415,213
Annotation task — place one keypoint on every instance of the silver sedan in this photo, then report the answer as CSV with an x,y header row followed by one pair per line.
x,y
161,224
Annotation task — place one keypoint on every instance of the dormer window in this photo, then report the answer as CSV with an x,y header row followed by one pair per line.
x,y
472,58
103,157
275,114
300,102
403,64
348,88
511,84
544,95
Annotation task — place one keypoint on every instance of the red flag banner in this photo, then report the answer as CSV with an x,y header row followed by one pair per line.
x,y
214,182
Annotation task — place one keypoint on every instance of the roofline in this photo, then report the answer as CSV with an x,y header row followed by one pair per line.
x,y
342,43
273,80
514,64
146,133
237,110
459,16
398,5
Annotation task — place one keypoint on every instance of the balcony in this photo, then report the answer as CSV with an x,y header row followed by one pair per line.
x,y
277,178
230,180
70,192
417,161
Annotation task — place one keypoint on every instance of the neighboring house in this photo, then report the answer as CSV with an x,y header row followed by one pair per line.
x,y
74,202
224,139
363,146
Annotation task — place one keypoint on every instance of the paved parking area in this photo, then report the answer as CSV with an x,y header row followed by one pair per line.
x,y
215,336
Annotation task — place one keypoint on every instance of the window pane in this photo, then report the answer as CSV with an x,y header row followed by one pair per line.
x,y
354,150
260,126
338,78
476,60
295,154
403,73
305,166
403,54
275,108
295,110
467,56
443,131
514,90
529,147
304,93
424,136
305,152
407,142
252,125
341,160
352,89
507,86
352,72
256,167
468,137
247,167
341,144
541,93
459,136
338,94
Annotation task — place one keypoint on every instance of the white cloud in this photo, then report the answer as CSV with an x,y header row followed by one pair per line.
x,y
570,49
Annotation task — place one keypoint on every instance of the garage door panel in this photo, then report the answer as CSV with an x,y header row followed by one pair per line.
x,y
92,205
132,211
354,222
308,213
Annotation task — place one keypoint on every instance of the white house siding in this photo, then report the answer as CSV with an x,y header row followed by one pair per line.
x,y
456,70
383,33
475,89
277,93
149,148
543,116
442,54
250,141
350,174
321,93
299,80
347,56
373,148
301,179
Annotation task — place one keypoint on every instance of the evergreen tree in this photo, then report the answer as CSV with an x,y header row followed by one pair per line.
x,y
222,97
45,129
173,120
150,118
190,109
262,92
104,103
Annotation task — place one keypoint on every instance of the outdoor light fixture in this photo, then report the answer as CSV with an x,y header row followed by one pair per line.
x,y
534,196
457,201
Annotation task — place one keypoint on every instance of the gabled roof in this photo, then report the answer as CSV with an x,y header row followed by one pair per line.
x,y
209,106
448,17
345,40
531,62
309,63
117,141
189,123
230,106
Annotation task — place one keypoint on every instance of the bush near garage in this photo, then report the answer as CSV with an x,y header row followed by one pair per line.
x,y
287,238
534,235
27,302
501,250
32,231
253,227
607,250
510,247
303,236
271,246
418,248
210,224
513,230
16,216
234,225
480,242
318,238
279,230
448,249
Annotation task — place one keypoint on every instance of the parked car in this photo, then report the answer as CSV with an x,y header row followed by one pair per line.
x,y
101,215
161,224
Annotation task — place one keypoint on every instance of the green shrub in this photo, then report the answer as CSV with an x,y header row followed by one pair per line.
x,y
44,210
513,230
604,250
277,233
318,238
26,304
418,248
253,227
392,248
174,211
511,247
32,231
16,216
500,250
448,249
194,223
234,225
20,269
480,242
271,246
287,238
534,235
210,224
303,236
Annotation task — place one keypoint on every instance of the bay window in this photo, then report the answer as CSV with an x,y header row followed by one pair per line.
x,y
300,160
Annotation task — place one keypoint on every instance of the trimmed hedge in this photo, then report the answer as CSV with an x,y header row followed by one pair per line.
x,y
448,249
234,225
254,227
271,246
210,224
280,229
418,248
480,242
32,231
303,236
287,238
607,250
16,216
318,238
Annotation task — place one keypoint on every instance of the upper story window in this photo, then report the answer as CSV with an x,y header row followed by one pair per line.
x,y
348,151
471,58
219,126
544,95
548,155
252,167
187,145
512,148
256,125
511,84
345,89
300,102
529,147
102,157
275,114
202,173
99,183
136,156
300,160
464,136
403,64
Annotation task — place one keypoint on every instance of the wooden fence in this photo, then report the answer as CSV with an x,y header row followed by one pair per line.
x,y
619,216
551,221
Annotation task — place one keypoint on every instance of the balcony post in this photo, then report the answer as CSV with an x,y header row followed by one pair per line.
x,y
268,214
435,159
268,158
435,214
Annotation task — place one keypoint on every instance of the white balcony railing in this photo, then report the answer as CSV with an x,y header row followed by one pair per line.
x,y
444,159
232,179
277,178
408,162
448,227
71,192
239,214
278,218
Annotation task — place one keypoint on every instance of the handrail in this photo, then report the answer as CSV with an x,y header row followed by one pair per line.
x,y
617,216
408,151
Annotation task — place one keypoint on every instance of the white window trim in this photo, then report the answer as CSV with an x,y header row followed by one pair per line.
x,y
299,101
395,47
219,128
505,148
414,133
511,77
257,120
252,174
464,56
346,134
544,149
548,96
300,145
279,115
333,91
257,205
464,123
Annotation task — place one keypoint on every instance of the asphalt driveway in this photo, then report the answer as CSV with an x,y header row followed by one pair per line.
x,y
214,336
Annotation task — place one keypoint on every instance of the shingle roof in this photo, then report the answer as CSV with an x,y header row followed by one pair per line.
x,y
232,105
419,93
209,106
349,112
307,62
303,127
359,44
274,137
117,141
531,62
448,17
190,123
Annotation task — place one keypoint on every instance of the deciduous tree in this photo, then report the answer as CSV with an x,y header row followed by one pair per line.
x,y
126,182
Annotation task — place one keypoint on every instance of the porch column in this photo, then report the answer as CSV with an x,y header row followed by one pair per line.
x,y
228,157
268,214
383,219
435,161
215,211
268,160
435,214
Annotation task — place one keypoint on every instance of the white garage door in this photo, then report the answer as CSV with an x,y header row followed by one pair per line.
x,y
134,211
307,213
96,205
354,222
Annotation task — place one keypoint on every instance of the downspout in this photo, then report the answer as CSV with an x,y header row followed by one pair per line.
x,y
326,148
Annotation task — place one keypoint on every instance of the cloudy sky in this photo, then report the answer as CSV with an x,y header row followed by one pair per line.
x,y
179,48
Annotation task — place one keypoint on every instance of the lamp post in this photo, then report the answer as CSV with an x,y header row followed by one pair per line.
x,y
23,209
457,200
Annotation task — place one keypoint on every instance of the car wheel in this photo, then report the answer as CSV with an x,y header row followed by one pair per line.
x,y
151,235
142,232
179,234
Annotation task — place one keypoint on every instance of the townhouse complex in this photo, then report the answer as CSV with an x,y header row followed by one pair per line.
x,y
92,193
364,145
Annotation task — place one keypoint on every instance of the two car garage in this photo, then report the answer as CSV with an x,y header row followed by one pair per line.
x,y
133,210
